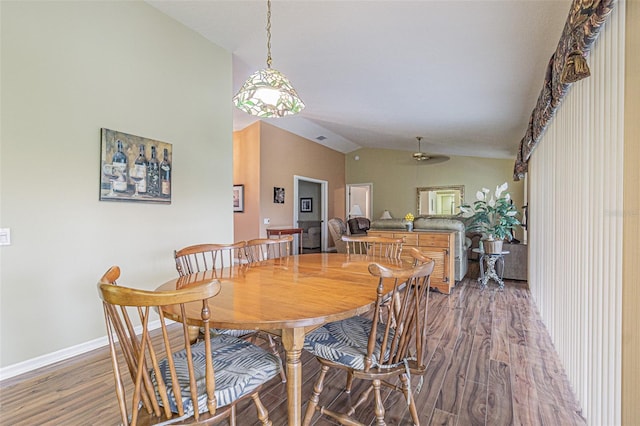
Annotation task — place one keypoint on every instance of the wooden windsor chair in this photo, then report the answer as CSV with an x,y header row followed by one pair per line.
x,y
374,351
209,257
260,249
173,380
374,246
219,258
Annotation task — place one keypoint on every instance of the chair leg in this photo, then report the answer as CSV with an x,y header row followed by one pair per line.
x,y
409,397
232,416
274,349
361,400
347,387
379,407
263,414
315,397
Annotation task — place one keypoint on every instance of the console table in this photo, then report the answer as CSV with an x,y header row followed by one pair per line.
x,y
286,230
438,245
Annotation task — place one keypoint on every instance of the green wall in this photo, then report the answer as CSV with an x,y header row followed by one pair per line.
x,y
68,69
395,177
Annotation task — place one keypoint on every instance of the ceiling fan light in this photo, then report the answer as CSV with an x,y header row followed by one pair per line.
x,y
420,156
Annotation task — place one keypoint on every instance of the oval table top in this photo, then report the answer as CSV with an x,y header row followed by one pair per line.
x,y
295,291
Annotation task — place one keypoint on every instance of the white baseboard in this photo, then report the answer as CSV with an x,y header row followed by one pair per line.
x,y
61,355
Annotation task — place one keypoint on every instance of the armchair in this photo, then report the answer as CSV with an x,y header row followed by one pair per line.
x,y
359,225
311,234
338,228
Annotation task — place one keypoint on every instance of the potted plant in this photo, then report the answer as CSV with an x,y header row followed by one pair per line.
x,y
494,216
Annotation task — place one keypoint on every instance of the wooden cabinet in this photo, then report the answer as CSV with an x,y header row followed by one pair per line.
x,y
438,245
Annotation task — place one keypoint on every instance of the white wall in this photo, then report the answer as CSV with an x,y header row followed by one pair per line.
x,y
68,69
576,228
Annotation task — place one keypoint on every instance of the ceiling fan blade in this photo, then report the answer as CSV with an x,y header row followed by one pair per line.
x,y
431,159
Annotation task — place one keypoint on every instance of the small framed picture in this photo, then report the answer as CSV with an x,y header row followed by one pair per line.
x,y
306,205
278,195
238,198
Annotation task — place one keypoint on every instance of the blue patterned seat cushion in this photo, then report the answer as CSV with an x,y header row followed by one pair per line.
x,y
345,342
239,367
229,332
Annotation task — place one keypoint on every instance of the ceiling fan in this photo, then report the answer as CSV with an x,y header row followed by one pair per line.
x,y
424,158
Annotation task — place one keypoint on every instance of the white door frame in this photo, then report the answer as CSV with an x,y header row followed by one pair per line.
x,y
324,209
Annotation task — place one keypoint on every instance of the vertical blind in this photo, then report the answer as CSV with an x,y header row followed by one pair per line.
x,y
575,227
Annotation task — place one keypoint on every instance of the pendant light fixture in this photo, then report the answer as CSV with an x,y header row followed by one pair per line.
x,y
267,93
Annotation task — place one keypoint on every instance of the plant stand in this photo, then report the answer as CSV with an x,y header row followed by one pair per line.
x,y
491,260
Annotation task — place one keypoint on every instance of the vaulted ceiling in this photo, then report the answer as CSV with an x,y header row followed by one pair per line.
x,y
464,75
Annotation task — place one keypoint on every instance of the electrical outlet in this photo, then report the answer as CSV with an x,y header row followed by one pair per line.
x,y
267,221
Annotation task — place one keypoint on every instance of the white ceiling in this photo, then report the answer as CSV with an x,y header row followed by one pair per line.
x,y
465,75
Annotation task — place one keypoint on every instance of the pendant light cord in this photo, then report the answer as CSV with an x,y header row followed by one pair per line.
x,y
268,33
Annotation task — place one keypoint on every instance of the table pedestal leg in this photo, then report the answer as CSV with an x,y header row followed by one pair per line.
x,y
194,333
293,342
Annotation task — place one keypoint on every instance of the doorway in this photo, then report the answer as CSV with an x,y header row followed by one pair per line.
x,y
359,200
311,197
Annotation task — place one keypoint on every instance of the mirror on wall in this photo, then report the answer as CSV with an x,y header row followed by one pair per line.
x,y
440,200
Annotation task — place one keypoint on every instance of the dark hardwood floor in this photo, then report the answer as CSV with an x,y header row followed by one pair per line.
x,y
491,363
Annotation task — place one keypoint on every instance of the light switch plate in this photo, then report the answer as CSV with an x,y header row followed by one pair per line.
x,y
267,220
5,236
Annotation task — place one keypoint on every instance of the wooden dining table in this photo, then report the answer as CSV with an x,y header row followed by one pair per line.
x,y
287,297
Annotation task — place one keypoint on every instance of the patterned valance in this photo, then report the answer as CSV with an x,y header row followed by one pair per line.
x,y
567,65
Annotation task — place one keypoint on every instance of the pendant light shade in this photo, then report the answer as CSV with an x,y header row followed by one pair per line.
x,y
267,92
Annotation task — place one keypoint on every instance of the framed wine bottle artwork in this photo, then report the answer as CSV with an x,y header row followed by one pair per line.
x,y
134,168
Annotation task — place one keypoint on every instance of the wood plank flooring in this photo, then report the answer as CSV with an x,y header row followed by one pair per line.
x,y
491,363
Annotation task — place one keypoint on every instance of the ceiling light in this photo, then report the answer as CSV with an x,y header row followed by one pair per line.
x,y
268,93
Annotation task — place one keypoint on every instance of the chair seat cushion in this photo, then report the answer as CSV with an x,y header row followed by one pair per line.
x,y
344,342
239,368
230,332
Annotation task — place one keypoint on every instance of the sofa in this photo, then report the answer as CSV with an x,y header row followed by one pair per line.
x,y
461,242
423,223
311,233
515,263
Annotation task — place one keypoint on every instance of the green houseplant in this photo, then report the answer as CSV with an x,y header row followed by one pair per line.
x,y
492,215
